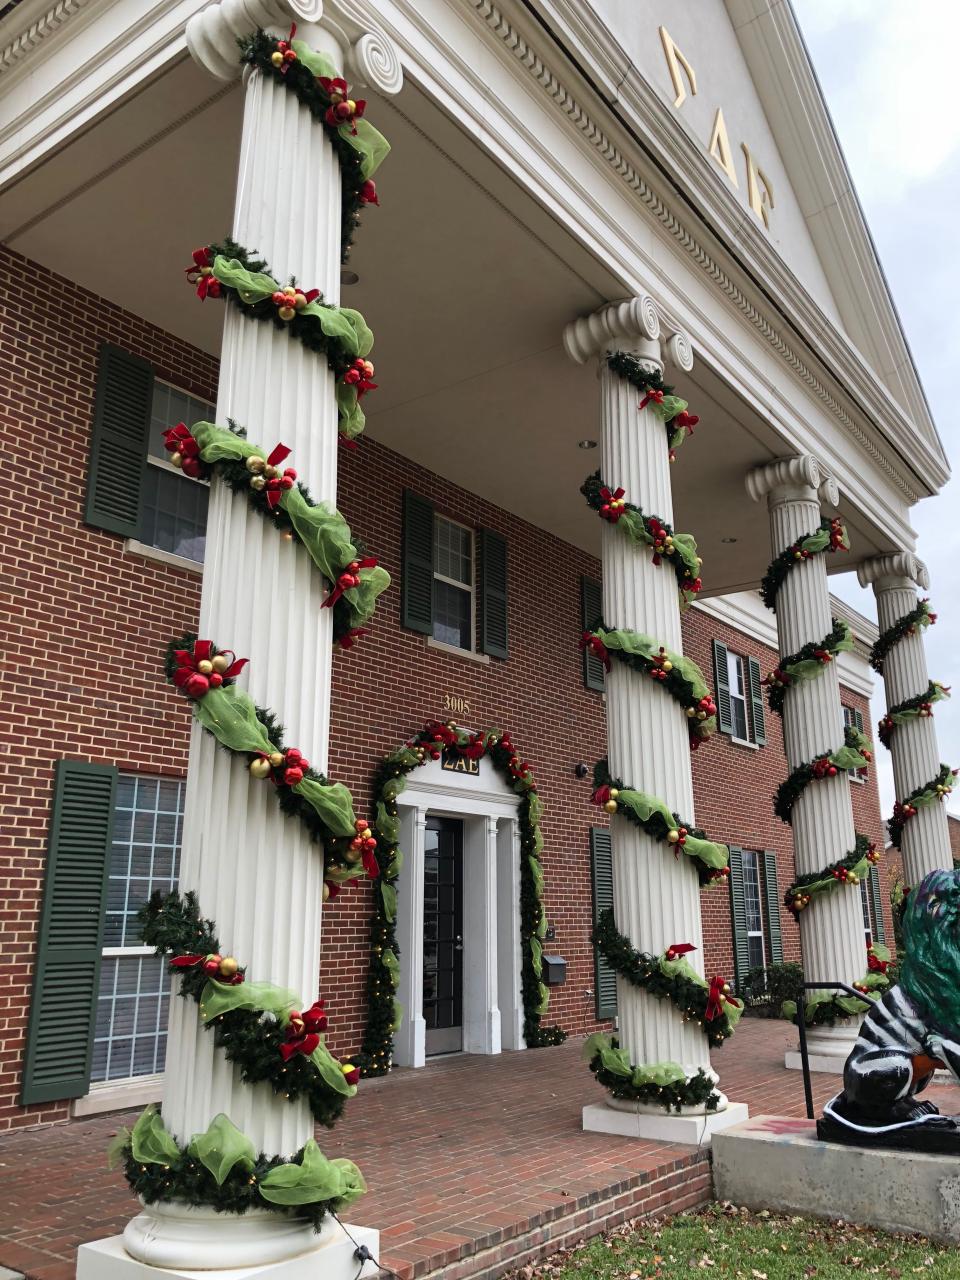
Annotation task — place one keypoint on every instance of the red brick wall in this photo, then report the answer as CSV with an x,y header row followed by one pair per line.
x,y
88,623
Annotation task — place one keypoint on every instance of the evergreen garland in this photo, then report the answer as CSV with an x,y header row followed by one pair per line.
x,y
697,1091
908,625
677,422
680,550
918,708
830,537
647,972
854,754
849,870
173,926
903,810
806,663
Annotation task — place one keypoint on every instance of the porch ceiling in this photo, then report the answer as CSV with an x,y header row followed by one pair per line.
x,y
466,281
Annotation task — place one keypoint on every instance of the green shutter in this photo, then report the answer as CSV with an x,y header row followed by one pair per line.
x,y
738,916
772,905
118,442
591,611
601,863
416,583
756,702
492,575
70,938
876,897
721,682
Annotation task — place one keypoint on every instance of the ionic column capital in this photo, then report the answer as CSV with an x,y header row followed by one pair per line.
x,y
802,478
372,57
634,324
895,570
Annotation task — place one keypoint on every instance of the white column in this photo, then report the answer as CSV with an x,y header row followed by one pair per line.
x,y
913,748
481,1014
508,935
410,1049
831,928
656,895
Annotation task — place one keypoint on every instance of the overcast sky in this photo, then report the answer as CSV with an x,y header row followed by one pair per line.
x,y
889,71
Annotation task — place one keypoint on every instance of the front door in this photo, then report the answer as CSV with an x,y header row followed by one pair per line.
x,y
443,935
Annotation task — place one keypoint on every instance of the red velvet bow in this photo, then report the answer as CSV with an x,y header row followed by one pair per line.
x,y
283,47
349,578
684,419
717,998
601,795
185,962
350,638
651,397
342,109
368,192
277,485
189,961
360,375
875,964
440,732
192,680
593,642
475,749
679,949
303,1031
611,505
179,440
201,274
348,443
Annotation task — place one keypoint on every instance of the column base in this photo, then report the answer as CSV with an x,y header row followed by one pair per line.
x,y
638,1121
827,1049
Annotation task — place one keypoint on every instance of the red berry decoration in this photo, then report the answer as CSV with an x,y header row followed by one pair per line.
x,y
201,274
343,109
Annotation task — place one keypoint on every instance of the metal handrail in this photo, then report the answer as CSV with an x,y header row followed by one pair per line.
x,y
802,1027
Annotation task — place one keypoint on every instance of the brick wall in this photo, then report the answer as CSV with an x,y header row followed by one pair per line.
x,y
87,623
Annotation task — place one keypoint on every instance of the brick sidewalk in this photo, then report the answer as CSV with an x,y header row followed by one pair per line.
x,y
471,1162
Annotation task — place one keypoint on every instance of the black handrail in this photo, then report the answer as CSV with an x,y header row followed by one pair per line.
x,y
802,1027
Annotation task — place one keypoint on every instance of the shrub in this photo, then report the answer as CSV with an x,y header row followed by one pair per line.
x,y
765,988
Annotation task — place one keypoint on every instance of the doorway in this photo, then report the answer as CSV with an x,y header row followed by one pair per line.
x,y
443,935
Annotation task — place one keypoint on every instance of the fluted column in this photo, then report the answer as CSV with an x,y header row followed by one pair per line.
x,y
925,843
831,929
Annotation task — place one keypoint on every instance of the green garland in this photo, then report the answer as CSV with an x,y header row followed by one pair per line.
x,y
931,792
341,334
918,708
669,408
807,663
652,816
244,729
383,1010
356,579
251,1021
908,625
830,537
850,870
669,977
359,147
824,1008
856,753
680,549
676,674
663,1084
220,1169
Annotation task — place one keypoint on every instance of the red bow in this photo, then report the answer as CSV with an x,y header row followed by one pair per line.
x,y
717,998
368,192
684,419
348,443
475,749
303,1031
364,842
349,578
350,638
612,504
679,949
201,274
651,397
601,795
178,440
440,732
277,484
875,964
192,675
360,375
343,109
593,642
211,964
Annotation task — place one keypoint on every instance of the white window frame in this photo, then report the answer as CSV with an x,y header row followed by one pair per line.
x,y
164,464
737,662
460,586
757,879
850,721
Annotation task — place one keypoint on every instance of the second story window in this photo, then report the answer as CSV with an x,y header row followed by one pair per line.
x,y
452,583
174,515
852,717
740,710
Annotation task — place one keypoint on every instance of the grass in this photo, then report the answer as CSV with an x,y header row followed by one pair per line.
x,y
723,1241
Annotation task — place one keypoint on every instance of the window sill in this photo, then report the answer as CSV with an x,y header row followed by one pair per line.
x,y
468,654
116,1095
861,782
742,742
134,548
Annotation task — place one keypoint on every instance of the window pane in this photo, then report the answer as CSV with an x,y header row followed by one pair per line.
x,y
755,950
865,907
144,853
451,615
452,551
751,891
170,406
174,513
131,1030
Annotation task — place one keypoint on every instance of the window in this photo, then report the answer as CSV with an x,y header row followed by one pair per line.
x,y
452,583
739,689
871,903
174,511
755,910
753,905
131,1023
851,716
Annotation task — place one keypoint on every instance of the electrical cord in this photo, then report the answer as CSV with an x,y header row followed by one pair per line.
x,y
363,1255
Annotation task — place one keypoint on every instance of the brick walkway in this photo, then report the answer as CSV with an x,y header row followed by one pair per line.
x,y
472,1163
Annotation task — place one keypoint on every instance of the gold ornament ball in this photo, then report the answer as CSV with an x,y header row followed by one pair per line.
x,y
353,855
726,987
260,768
668,665
271,472
220,663
673,836
255,465
691,712
176,459
258,483
276,58
326,891
228,966
205,666
614,793
276,759
611,806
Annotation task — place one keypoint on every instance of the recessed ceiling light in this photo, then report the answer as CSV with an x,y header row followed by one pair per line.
x,y
586,444
728,539
348,277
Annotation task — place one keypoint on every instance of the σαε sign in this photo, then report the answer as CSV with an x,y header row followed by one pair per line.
x,y
454,762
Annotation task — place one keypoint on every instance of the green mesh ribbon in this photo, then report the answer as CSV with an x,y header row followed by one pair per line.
x,y
332,803
664,1084
392,965
222,997
150,1143
370,145
826,1007
331,1071
684,682
912,709
314,1178
388,896
645,807
230,715
850,870
222,1148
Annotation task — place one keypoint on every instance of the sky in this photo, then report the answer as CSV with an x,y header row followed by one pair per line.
x,y
888,69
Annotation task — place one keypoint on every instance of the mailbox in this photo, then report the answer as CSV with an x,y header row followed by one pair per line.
x,y
554,973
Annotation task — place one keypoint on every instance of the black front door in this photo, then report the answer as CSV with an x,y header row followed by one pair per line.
x,y
443,935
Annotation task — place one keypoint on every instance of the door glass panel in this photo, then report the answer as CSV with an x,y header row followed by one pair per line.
x,y
443,935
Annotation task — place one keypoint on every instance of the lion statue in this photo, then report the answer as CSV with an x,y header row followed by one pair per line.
x,y
913,1029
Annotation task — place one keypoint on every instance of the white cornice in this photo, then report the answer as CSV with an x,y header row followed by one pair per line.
x,y
31,22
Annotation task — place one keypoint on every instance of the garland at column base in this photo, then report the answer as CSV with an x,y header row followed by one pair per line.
x,y
830,537
850,870
669,408
918,708
807,663
360,148
661,1084
258,1026
670,977
931,792
824,1008
204,675
356,579
652,816
341,334
676,674
221,1169
384,1012
680,549
916,620
856,753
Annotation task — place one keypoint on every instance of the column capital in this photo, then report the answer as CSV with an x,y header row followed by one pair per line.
x,y
800,479
372,57
635,323
896,569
